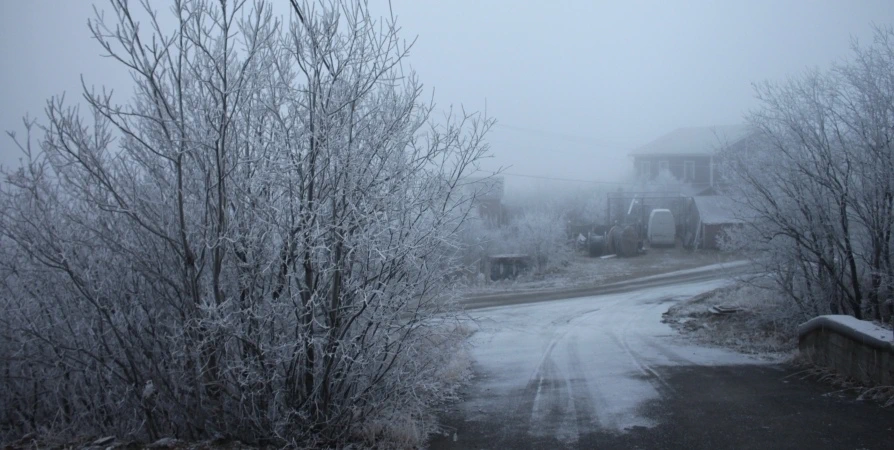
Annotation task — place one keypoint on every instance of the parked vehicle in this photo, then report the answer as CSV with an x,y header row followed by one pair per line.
x,y
662,228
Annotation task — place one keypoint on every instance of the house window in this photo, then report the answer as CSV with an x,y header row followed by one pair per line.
x,y
663,166
689,170
645,170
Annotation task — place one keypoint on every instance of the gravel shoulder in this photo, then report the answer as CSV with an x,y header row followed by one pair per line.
x,y
751,319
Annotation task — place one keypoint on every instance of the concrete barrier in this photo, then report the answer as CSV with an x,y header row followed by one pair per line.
x,y
852,347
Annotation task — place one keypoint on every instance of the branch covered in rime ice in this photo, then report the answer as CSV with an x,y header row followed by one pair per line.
x,y
256,244
817,177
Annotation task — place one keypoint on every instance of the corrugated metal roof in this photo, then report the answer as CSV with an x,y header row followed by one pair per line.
x,y
717,209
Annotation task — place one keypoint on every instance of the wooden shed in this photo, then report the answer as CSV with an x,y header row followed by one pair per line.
x,y
500,267
707,219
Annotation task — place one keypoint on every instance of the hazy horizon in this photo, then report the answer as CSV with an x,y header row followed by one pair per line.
x,y
574,86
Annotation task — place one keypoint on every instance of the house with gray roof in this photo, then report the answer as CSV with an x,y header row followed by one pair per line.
x,y
689,154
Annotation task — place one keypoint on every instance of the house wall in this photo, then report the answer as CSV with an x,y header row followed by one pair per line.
x,y
676,165
493,211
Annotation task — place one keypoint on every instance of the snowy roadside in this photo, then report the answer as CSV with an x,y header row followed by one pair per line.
x,y
752,320
744,318
748,318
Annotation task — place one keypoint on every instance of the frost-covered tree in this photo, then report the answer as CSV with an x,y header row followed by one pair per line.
x,y
817,177
541,234
253,245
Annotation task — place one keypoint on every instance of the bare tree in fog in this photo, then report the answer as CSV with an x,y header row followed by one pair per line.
x,y
253,245
818,177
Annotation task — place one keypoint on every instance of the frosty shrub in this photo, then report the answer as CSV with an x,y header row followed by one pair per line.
x,y
816,180
542,222
537,227
253,245
540,233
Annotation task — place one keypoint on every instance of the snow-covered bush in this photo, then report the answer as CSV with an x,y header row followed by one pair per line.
x,y
252,246
538,226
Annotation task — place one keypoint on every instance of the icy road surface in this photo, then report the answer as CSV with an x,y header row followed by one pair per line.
x,y
570,367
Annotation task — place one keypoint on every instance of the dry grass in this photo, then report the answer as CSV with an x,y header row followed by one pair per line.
x,y
884,395
765,324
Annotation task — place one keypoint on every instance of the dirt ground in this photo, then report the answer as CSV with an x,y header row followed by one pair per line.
x,y
584,271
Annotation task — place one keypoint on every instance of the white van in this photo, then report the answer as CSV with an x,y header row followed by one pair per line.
x,y
662,229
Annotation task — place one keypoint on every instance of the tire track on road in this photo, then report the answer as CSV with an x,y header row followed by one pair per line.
x,y
639,361
552,395
586,403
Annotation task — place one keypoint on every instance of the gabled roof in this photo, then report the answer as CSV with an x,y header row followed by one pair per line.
x,y
719,209
694,141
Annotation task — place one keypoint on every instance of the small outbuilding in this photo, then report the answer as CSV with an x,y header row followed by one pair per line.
x,y
500,267
707,218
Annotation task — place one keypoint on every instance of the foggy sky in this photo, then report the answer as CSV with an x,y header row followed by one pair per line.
x,y
574,85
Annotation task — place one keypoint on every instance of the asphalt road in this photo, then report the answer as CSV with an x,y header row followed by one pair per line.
x,y
720,407
603,372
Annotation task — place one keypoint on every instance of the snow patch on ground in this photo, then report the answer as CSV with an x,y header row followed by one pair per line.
x,y
701,269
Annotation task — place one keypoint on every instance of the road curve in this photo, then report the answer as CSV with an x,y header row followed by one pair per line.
x,y
602,371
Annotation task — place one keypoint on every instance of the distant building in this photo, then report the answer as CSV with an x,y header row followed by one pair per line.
x,y
689,154
487,194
